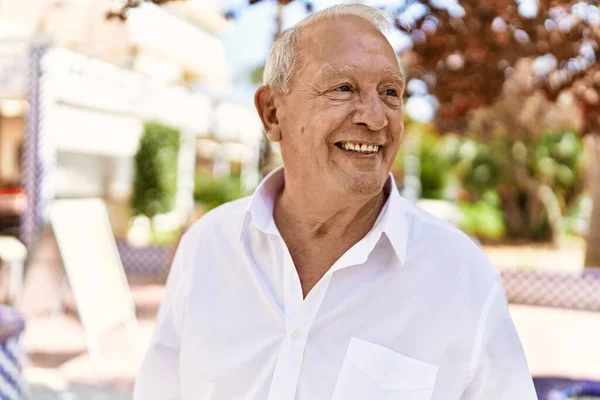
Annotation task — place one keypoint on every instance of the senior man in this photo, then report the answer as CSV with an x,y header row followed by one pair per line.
x,y
326,284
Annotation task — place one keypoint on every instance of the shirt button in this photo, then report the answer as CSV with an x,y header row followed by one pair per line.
x,y
294,335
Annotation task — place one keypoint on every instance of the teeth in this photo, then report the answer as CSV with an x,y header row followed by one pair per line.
x,y
362,148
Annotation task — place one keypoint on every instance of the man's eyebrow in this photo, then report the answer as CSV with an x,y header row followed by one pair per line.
x,y
397,76
330,72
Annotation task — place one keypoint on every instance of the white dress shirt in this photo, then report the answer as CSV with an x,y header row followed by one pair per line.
x,y
413,311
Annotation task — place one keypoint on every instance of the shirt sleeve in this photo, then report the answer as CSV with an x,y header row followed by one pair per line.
x,y
499,369
159,378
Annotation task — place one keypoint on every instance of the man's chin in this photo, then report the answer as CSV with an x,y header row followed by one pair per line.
x,y
359,183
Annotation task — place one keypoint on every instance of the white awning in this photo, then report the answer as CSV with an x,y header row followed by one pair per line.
x,y
202,12
199,52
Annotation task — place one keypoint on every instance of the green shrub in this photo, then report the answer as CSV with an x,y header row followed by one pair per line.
x,y
482,219
434,166
557,159
213,192
434,159
510,168
165,238
156,166
514,169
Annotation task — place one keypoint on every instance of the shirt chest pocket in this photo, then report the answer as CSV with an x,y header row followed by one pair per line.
x,y
373,372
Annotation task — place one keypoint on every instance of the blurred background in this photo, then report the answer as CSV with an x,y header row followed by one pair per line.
x,y
123,122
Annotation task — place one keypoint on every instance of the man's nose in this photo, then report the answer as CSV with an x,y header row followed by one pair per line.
x,y
370,112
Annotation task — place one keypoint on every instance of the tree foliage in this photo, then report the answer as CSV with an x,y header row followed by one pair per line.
x,y
466,59
156,166
122,7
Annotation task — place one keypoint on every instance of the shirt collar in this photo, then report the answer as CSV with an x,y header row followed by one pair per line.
x,y
395,223
392,219
260,209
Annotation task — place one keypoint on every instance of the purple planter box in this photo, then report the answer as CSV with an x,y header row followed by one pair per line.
x,y
562,388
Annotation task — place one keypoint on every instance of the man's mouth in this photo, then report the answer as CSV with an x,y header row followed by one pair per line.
x,y
358,147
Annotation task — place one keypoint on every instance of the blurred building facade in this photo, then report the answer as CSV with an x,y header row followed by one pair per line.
x,y
172,43
100,79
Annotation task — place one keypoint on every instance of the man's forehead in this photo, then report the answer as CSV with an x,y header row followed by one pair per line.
x,y
332,71
326,37
351,46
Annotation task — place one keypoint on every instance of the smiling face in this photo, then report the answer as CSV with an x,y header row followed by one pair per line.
x,y
341,124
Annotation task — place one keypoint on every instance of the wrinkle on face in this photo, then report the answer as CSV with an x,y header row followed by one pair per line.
x,y
329,71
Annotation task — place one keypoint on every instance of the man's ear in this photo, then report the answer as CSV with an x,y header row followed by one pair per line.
x,y
264,102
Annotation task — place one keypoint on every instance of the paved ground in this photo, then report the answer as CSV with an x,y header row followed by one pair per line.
x,y
60,367
79,392
557,343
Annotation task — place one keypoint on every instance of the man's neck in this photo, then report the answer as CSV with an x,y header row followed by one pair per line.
x,y
312,218
318,230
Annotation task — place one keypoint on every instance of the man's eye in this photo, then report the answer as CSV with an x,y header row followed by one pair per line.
x,y
345,88
391,92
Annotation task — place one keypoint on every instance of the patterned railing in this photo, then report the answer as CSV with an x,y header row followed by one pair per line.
x,y
12,356
149,260
579,291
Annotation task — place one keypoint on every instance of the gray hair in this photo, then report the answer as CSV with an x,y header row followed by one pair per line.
x,y
281,60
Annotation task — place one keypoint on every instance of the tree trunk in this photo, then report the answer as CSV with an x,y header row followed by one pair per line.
x,y
515,223
592,144
555,217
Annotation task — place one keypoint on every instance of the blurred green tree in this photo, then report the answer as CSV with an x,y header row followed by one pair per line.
x,y
156,166
212,192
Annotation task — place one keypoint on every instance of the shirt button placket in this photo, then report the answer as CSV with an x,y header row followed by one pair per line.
x,y
296,344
